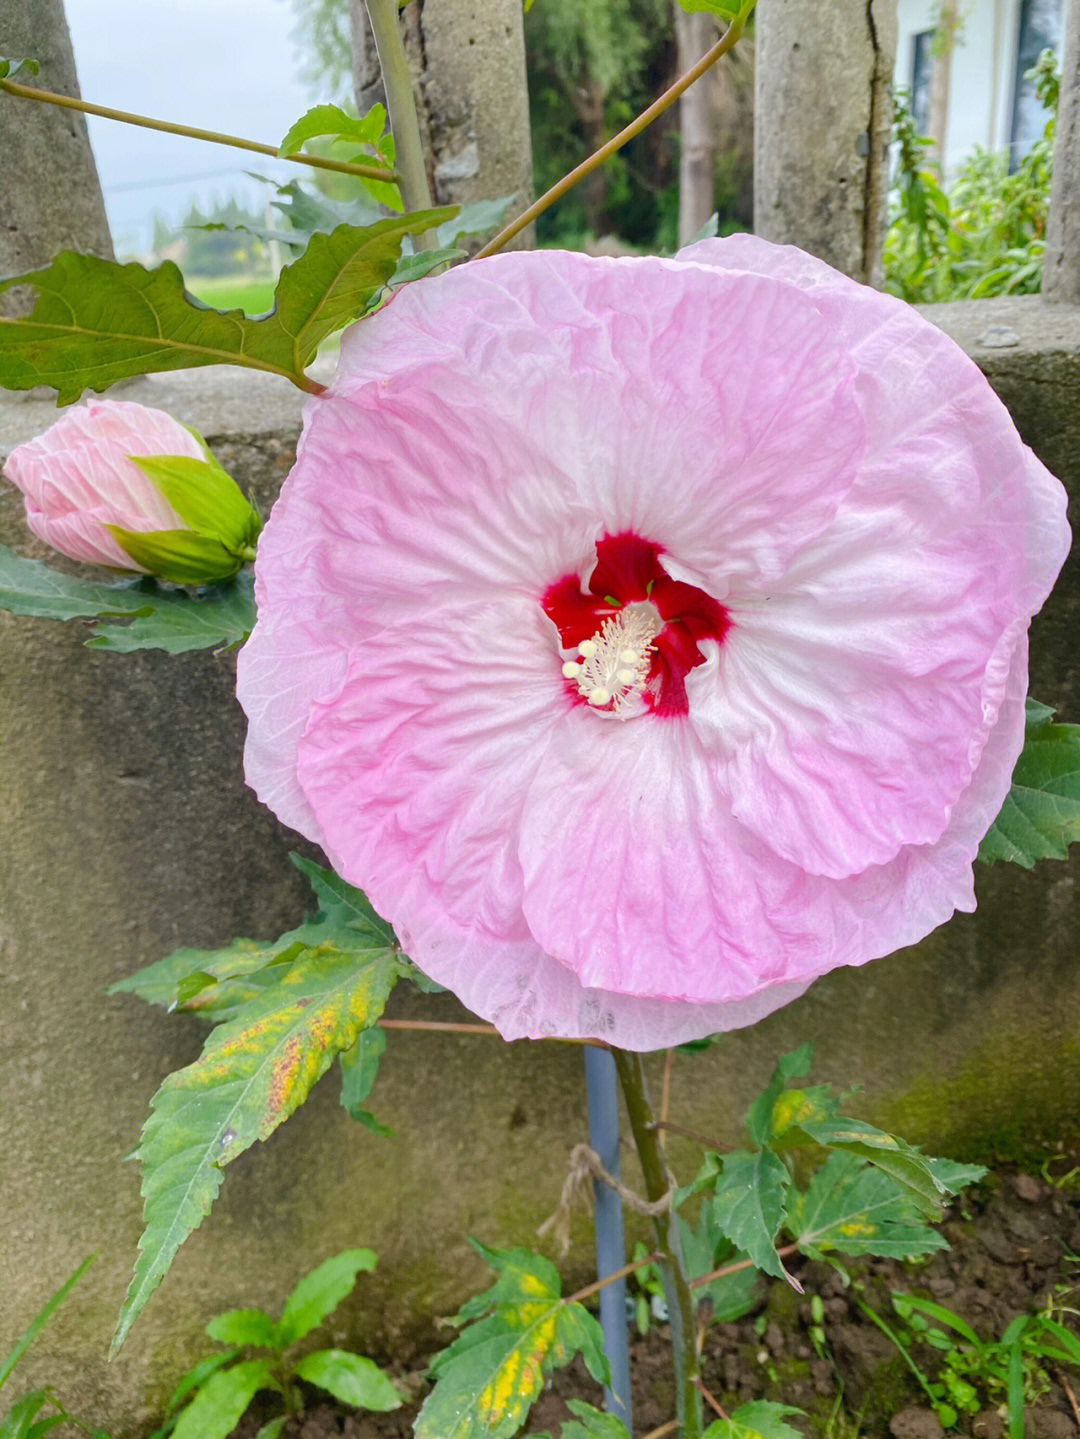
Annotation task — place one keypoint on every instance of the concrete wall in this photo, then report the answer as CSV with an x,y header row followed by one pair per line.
x,y
127,831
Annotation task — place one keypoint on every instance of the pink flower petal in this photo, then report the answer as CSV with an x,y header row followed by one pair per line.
x,y
813,461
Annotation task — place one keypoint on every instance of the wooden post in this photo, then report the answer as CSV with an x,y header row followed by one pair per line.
x,y
1061,275
822,125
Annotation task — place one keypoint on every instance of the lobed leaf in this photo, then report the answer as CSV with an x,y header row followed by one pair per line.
x,y
590,1423
166,619
350,1378
1041,814
760,1121
487,1380
253,1073
96,322
359,1070
853,1207
749,1206
897,1158
760,1419
320,1292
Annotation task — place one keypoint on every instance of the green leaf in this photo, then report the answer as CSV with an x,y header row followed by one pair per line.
x,y
359,1070
170,981
748,1207
96,322
10,68
852,1207
476,217
344,910
953,1176
272,1428
487,1380
758,1420
706,1248
16,1424
760,1120
350,1379
196,1376
161,619
40,1319
332,120
590,1423
897,1158
220,1404
219,617
726,9
320,1292
243,1326
253,1073
1041,814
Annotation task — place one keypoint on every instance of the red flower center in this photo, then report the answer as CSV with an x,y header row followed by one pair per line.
x,y
635,629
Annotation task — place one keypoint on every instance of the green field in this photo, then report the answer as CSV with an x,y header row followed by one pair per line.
x,y
232,292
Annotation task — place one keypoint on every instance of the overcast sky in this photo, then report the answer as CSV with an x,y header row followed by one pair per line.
x,y
222,66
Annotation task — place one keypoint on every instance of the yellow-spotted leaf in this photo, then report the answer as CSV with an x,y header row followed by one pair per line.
x,y
487,1380
253,1073
855,1208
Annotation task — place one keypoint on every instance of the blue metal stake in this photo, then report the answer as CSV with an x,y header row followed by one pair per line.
x,y
602,1086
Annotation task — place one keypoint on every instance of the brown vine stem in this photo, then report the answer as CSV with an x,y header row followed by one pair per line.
x,y
727,41
665,1429
627,1269
712,1401
215,137
726,1269
672,1128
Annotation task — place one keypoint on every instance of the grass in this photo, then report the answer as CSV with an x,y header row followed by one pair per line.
x,y
230,292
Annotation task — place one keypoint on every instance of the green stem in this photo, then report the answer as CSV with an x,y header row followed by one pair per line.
x,y
680,1302
146,122
727,42
401,103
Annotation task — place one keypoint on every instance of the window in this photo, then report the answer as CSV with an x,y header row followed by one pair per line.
x,y
922,69
1040,29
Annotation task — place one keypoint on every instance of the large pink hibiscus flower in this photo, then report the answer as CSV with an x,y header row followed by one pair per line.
x,y
648,637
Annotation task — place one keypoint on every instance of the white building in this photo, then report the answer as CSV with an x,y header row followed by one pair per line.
x,y
990,103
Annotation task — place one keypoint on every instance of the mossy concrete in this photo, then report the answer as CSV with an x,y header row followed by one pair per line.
x,y
127,831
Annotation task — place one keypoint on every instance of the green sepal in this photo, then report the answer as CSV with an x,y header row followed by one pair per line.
x,y
179,556
206,497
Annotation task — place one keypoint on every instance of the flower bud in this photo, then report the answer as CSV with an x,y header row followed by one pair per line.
x,y
118,484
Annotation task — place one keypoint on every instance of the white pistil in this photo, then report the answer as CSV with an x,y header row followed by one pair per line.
x,y
613,667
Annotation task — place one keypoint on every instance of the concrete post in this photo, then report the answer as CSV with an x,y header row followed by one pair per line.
x,y
822,123
1061,276
51,197
472,81
694,33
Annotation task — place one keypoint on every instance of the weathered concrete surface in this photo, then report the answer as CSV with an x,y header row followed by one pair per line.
x,y
1061,273
822,126
50,199
127,831
475,100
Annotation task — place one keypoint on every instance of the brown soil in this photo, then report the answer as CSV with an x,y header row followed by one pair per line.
x,y
1015,1250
